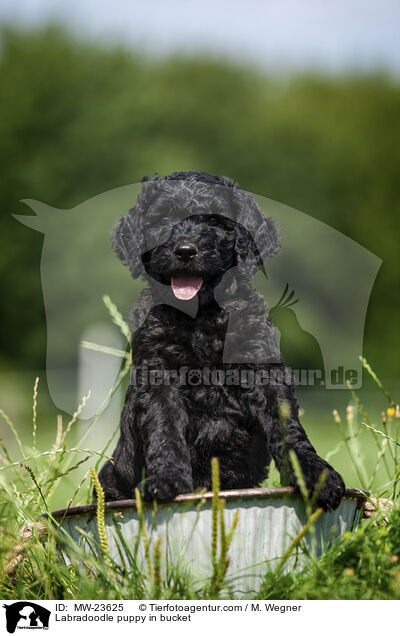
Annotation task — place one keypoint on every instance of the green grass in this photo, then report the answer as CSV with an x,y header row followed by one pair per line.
x,y
363,564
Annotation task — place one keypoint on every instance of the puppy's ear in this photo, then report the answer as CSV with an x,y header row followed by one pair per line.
x,y
127,240
257,235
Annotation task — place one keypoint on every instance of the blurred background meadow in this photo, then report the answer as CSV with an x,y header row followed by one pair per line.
x,y
298,102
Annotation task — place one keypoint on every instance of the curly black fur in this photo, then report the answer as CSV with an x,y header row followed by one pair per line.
x,y
170,431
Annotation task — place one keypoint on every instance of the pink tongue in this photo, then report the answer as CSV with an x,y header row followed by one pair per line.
x,y
186,287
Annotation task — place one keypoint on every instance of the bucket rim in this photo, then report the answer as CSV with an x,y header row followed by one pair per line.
x,y
245,493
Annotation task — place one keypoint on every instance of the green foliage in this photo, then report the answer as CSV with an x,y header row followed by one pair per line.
x,y
361,565
77,120
143,533
101,524
219,563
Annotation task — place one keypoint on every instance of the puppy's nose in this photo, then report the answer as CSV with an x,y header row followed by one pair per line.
x,y
185,251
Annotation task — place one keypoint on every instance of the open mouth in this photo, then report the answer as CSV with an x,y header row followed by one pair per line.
x,y
185,286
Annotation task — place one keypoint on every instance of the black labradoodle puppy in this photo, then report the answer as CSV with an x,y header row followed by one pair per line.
x,y
208,379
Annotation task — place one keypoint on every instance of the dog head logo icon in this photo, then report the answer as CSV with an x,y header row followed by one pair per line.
x,y
26,615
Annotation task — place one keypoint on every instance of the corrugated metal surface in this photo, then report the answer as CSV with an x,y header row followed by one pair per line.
x,y
267,524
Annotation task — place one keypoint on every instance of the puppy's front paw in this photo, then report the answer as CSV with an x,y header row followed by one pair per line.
x,y
165,486
332,491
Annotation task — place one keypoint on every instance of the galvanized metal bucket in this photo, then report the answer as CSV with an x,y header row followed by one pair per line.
x,y
269,519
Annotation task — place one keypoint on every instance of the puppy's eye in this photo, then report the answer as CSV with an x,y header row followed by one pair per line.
x,y
164,220
212,220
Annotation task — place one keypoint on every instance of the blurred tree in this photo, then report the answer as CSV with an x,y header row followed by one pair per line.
x,y
77,119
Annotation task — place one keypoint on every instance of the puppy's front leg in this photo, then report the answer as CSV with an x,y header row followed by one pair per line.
x,y
286,433
162,424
